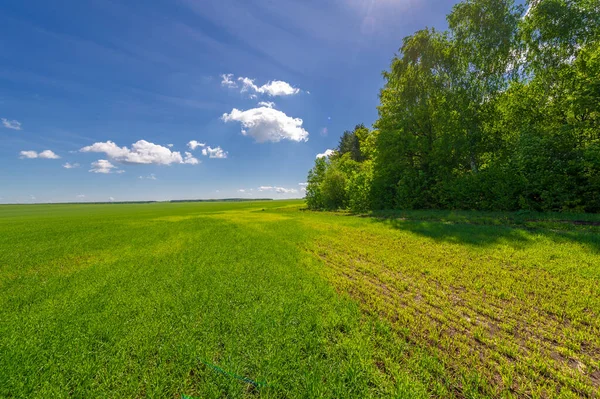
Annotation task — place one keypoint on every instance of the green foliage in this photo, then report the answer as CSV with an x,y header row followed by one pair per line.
x,y
500,112
359,188
314,195
333,189
349,144
344,180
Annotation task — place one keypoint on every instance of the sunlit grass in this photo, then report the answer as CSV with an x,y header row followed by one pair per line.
x,y
135,300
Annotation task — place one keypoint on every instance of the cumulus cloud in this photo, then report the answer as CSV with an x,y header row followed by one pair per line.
x,y
141,152
267,124
195,144
216,152
46,154
326,154
303,186
272,88
190,160
15,125
103,166
268,104
68,165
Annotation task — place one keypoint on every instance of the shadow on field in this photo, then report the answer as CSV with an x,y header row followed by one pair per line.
x,y
486,234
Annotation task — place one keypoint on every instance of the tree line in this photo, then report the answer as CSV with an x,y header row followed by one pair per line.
x,y
499,112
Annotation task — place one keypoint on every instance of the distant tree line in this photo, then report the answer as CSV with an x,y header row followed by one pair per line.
x,y
499,112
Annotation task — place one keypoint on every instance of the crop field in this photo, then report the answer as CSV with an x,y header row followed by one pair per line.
x,y
266,299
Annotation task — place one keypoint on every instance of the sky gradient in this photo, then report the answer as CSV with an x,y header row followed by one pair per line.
x,y
187,99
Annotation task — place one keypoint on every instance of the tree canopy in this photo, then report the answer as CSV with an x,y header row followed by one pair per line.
x,y
499,112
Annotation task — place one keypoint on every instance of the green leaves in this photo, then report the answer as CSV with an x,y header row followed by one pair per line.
x,y
500,112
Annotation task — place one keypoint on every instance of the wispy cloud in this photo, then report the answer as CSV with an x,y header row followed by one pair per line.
x,y
268,104
207,151
15,125
192,145
228,81
267,124
68,165
103,166
151,176
46,154
279,190
216,152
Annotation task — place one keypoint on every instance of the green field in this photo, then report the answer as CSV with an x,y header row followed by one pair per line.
x,y
164,300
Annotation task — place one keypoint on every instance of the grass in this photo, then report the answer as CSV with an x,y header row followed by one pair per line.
x,y
165,300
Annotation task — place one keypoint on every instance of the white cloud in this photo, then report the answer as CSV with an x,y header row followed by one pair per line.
x,y
207,150
303,186
170,145
272,88
268,104
81,196
228,81
111,199
326,154
268,124
46,154
68,165
195,144
190,160
151,176
241,190
279,190
28,154
15,125
216,152
102,166
141,152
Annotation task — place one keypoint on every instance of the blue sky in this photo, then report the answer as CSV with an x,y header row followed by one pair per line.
x,y
93,92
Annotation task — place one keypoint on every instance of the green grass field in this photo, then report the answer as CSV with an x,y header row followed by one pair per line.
x,y
165,300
